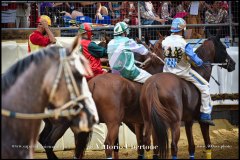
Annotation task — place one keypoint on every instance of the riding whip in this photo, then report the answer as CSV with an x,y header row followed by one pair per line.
x,y
211,76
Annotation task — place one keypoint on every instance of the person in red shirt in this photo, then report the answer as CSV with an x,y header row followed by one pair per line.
x,y
42,36
91,50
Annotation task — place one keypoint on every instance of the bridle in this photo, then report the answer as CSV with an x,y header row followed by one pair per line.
x,y
62,111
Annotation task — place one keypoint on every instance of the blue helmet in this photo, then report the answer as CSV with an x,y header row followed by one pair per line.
x,y
178,24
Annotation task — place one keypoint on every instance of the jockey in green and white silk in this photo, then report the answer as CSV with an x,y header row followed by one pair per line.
x,y
121,54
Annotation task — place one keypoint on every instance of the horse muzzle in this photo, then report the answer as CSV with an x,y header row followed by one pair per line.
x,y
230,65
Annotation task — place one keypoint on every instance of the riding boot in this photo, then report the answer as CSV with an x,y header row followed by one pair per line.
x,y
206,118
210,122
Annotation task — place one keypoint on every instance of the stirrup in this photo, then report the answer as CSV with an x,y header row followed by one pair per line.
x,y
209,122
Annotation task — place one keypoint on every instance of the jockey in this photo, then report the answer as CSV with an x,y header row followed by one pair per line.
x,y
91,50
120,54
176,51
42,36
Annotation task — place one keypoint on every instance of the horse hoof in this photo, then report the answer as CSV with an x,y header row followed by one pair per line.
x,y
140,156
155,157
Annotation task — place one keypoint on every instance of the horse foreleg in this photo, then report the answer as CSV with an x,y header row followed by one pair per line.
x,y
81,142
175,130
113,130
49,140
191,145
116,150
139,136
206,137
46,130
155,144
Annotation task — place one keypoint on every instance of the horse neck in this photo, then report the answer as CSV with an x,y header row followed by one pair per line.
x,y
207,55
27,94
156,65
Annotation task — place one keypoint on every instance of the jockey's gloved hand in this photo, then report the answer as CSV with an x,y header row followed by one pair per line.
x,y
192,55
152,54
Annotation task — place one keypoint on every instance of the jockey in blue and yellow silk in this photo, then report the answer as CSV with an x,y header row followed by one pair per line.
x,y
176,51
121,57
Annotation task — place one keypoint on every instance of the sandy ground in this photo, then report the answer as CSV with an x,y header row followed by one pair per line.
x,y
224,138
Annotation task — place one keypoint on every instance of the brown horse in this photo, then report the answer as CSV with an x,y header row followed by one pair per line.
x,y
117,100
166,100
108,112
29,86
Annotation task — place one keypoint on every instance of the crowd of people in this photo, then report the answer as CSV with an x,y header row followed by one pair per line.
x,y
24,15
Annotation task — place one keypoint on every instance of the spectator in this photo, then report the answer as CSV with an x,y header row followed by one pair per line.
x,y
149,17
8,11
104,8
215,15
114,8
148,14
91,9
129,13
181,9
42,36
71,10
33,15
165,11
22,15
44,8
194,17
68,8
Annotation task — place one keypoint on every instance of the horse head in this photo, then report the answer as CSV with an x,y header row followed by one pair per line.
x,y
105,40
213,51
155,65
66,86
221,55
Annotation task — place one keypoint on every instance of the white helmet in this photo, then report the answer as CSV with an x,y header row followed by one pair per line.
x,y
120,28
178,24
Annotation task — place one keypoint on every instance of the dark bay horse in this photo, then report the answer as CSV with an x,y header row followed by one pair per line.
x,y
44,78
166,100
108,105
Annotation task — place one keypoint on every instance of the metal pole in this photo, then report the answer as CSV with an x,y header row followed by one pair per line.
x,y
230,21
139,23
39,6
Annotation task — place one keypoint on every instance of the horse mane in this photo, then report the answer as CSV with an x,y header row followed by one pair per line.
x,y
16,70
218,46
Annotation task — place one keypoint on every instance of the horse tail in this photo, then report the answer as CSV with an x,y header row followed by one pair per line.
x,y
160,119
82,139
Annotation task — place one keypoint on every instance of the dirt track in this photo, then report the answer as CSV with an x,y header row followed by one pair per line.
x,y
224,139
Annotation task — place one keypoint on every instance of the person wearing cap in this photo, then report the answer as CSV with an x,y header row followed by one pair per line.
x,y
42,36
121,54
91,50
176,55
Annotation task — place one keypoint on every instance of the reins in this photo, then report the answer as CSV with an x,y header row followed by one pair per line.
x,y
72,88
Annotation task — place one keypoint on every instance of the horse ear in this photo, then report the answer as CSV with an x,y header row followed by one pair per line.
x,y
107,38
159,35
218,35
147,39
137,40
208,34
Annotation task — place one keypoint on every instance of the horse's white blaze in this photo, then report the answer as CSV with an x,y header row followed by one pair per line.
x,y
83,124
91,106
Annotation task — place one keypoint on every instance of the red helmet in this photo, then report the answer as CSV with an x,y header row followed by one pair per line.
x,y
86,28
